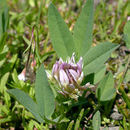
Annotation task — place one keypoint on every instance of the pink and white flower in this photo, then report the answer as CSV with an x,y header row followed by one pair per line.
x,y
69,76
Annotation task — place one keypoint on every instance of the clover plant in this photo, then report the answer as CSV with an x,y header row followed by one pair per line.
x,y
74,73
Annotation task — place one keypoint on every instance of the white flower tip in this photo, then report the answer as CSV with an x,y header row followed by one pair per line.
x,y
73,58
80,62
55,69
60,61
21,77
80,78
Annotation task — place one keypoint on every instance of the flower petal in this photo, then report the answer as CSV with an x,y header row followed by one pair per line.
x,y
74,74
80,78
80,62
55,68
63,77
73,58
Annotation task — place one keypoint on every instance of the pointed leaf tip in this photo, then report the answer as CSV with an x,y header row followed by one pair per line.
x,y
60,35
44,94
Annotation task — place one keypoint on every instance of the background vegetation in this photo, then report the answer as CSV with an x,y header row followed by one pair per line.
x,y
19,18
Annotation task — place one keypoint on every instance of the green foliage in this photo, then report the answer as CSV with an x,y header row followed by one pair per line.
x,y
44,97
105,90
127,34
24,99
77,124
83,29
61,37
96,121
125,97
97,56
3,17
99,75
70,125
44,94
16,41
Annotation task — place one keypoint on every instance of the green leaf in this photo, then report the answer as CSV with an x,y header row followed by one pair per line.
x,y
64,119
2,41
83,29
70,125
61,37
28,43
124,123
3,23
96,121
3,17
100,74
127,78
127,34
25,100
44,94
105,90
3,81
77,124
97,56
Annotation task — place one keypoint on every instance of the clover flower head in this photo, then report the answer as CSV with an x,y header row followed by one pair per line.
x,y
69,76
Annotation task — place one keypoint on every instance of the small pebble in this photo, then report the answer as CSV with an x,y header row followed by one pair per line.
x,y
116,116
